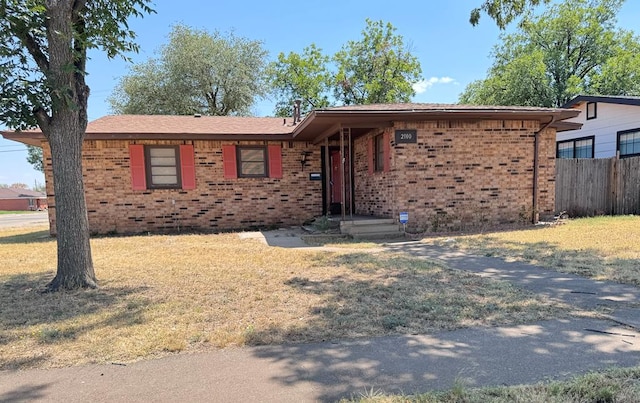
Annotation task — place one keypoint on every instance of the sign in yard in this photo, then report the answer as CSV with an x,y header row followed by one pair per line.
x,y
404,218
406,136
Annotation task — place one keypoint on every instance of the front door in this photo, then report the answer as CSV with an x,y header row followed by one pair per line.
x,y
337,185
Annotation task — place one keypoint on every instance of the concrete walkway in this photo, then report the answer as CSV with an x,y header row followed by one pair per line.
x,y
407,364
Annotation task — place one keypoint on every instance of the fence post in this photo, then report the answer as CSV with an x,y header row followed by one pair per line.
x,y
613,184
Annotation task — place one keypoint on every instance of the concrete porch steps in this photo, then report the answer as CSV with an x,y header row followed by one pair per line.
x,y
371,228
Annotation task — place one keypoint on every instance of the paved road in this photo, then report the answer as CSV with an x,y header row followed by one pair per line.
x,y
24,220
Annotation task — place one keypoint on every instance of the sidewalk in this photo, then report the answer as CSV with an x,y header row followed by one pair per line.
x,y
403,364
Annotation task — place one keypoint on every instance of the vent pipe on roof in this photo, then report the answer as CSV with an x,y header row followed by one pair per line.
x,y
296,111
197,115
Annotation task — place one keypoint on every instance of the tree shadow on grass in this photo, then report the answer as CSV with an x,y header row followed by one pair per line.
x,y
386,294
52,318
587,263
30,237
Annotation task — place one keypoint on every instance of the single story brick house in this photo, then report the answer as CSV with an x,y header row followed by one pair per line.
x,y
12,199
448,166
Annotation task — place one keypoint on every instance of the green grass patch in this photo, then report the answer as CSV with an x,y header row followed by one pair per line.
x,y
615,385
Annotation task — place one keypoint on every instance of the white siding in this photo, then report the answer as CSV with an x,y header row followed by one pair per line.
x,y
611,118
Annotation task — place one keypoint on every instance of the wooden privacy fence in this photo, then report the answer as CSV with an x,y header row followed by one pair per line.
x,y
587,187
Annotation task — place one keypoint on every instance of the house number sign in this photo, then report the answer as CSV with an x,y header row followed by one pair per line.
x,y
406,136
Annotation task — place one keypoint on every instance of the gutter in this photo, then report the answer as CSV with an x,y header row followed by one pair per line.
x,y
535,216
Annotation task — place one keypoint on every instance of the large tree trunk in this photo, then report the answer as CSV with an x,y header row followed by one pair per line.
x,y
75,266
65,132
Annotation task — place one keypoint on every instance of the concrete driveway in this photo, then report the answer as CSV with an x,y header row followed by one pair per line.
x,y
24,220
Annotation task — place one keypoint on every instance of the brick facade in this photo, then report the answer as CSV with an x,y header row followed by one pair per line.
x,y
459,175
216,204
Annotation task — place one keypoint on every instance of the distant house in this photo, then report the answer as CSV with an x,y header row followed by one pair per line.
x,y
610,124
447,166
12,199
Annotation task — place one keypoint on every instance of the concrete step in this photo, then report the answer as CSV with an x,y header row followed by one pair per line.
x,y
365,229
379,235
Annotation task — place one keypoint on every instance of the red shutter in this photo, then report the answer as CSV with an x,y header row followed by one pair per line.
x,y
275,162
136,161
188,167
370,156
386,146
229,162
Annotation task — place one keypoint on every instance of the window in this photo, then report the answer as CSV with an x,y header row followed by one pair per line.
x,y
162,164
162,167
575,148
252,162
592,110
379,153
629,143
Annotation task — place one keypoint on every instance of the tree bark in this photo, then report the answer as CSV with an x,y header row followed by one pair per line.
x,y
65,131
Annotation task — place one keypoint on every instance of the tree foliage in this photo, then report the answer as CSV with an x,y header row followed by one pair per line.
x,y
503,12
377,68
34,157
572,48
43,55
195,72
305,77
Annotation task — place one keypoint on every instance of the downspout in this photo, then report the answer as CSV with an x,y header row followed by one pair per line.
x,y
535,216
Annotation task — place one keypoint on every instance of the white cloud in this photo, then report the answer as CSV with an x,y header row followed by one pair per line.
x,y
423,85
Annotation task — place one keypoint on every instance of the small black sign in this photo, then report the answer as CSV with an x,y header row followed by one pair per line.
x,y
406,136
315,176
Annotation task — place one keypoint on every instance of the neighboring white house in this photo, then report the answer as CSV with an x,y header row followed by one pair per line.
x,y
609,124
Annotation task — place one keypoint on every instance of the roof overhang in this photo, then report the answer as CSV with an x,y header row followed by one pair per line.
x,y
324,123
320,124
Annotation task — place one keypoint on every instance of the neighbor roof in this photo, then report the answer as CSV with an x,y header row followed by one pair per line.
x,y
609,99
13,193
317,125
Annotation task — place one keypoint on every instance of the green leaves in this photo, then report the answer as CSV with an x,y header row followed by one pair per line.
x,y
378,68
300,76
569,49
195,72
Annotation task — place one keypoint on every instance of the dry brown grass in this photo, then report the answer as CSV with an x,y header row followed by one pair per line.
x,y
164,294
603,248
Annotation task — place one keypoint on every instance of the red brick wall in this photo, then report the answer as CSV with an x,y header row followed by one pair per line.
x,y
14,204
459,175
216,204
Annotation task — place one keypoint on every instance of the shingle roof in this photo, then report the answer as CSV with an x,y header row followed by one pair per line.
x,y
12,193
163,124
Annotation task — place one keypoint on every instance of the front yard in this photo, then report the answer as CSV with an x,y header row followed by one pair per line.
x,y
602,248
164,294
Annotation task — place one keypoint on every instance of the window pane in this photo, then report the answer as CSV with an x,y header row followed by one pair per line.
x,y
379,153
565,149
163,171
163,152
164,180
251,155
252,162
584,148
163,166
253,168
630,143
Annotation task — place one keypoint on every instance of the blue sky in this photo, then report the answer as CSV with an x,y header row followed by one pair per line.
x,y
452,52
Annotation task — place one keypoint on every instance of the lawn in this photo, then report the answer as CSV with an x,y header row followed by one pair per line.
x,y
16,212
615,385
602,248
160,295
